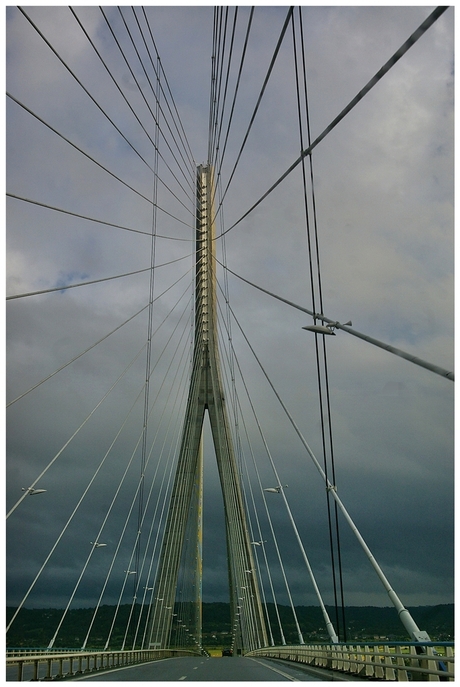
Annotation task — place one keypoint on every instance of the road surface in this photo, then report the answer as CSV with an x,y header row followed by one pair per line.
x,y
203,669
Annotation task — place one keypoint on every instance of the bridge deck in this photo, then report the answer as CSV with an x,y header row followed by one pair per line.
x,y
199,669
202,669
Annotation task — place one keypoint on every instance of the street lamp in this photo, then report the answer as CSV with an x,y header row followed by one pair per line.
x,y
320,329
326,329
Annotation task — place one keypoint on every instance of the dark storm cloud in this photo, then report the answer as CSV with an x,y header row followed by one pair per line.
x,y
383,184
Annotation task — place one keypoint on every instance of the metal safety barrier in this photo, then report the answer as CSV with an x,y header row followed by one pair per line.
x,y
56,666
391,661
32,651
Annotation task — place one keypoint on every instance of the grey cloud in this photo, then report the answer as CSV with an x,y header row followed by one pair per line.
x,y
383,183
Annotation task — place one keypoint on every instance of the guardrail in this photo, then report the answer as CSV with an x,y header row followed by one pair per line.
x,y
26,651
395,661
41,666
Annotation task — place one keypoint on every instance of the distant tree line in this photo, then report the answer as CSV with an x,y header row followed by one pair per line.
x,y
35,627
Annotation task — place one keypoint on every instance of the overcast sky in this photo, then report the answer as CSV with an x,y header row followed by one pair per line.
x,y
384,201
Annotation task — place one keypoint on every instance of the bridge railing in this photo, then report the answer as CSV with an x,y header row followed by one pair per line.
x,y
55,666
395,661
32,651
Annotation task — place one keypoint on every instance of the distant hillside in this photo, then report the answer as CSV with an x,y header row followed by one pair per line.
x,y
365,622
35,627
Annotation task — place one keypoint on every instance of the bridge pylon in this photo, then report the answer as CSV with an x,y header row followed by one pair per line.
x,y
206,393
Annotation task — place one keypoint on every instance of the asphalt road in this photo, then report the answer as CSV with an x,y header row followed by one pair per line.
x,y
202,669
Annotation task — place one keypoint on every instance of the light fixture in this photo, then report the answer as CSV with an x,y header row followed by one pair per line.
x,y
328,328
319,329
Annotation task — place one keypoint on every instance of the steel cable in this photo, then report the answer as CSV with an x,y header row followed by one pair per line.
x,y
232,109
93,99
80,150
167,84
91,42
92,345
262,91
370,84
159,72
130,510
93,281
447,374
94,219
141,92
69,520
224,98
156,96
325,412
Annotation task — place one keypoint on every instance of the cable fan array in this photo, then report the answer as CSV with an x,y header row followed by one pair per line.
x,y
104,381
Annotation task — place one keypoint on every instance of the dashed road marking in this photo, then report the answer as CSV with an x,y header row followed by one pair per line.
x,y
286,675
184,677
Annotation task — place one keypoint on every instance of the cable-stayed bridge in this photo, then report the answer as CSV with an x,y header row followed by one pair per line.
x,y
230,234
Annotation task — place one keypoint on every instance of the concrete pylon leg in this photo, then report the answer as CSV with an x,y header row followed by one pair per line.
x,y
206,393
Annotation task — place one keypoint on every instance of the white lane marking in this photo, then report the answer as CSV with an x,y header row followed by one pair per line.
x,y
183,677
116,670
275,670
195,668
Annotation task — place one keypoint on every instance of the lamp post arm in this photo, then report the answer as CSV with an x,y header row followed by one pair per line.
x,y
447,374
409,623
